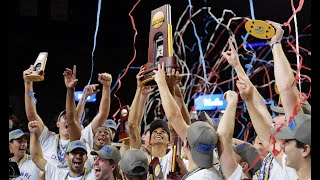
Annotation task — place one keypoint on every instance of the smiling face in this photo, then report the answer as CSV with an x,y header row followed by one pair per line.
x,y
101,138
103,168
18,146
159,136
76,159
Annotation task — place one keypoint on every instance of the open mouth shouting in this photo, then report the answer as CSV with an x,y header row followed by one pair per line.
x,y
101,139
77,163
97,171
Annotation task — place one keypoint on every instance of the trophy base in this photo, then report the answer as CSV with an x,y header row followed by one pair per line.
x,y
260,29
149,81
123,137
35,77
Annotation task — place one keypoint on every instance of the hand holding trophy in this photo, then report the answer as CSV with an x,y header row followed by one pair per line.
x,y
37,73
160,45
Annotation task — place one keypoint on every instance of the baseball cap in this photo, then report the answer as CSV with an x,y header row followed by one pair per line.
x,y
76,144
106,128
108,152
159,123
111,124
306,108
249,154
202,139
61,114
299,128
15,134
203,116
134,162
147,128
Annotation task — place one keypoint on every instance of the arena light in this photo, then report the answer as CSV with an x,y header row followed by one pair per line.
x,y
210,102
78,95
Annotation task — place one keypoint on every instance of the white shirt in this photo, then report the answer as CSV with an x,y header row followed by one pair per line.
x,y
49,142
55,173
204,174
87,139
237,174
272,170
28,170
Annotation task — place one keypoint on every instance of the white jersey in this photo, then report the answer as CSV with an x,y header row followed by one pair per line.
x,y
237,174
55,173
272,170
204,174
28,170
53,149
87,139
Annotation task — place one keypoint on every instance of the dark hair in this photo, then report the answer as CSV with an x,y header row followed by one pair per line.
x,y
251,170
136,177
301,145
116,171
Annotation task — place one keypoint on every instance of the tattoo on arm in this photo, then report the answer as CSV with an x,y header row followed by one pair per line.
x,y
133,135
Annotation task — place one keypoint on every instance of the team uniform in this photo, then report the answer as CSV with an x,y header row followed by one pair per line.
x,y
28,170
55,173
87,139
54,148
272,170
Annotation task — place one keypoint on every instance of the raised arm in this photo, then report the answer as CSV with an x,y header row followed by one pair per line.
x,y
225,133
35,149
178,96
173,78
258,119
170,106
233,59
70,81
283,74
91,89
105,79
30,105
134,119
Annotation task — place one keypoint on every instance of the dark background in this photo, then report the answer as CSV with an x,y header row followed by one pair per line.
x,y
65,29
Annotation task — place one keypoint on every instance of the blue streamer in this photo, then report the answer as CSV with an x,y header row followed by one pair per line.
x,y
31,93
199,45
92,53
252,10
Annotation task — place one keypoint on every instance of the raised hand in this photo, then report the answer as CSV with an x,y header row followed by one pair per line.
x,y
105,79
33,127
28,72
139,76
70,77
146,90
160,74
173,77
231,96
91,89
231,55
279,33
245,88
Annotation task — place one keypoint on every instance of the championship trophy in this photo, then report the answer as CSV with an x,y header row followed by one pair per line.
x,y
160,44
174,173
155,170
124,114
260,29
40,64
